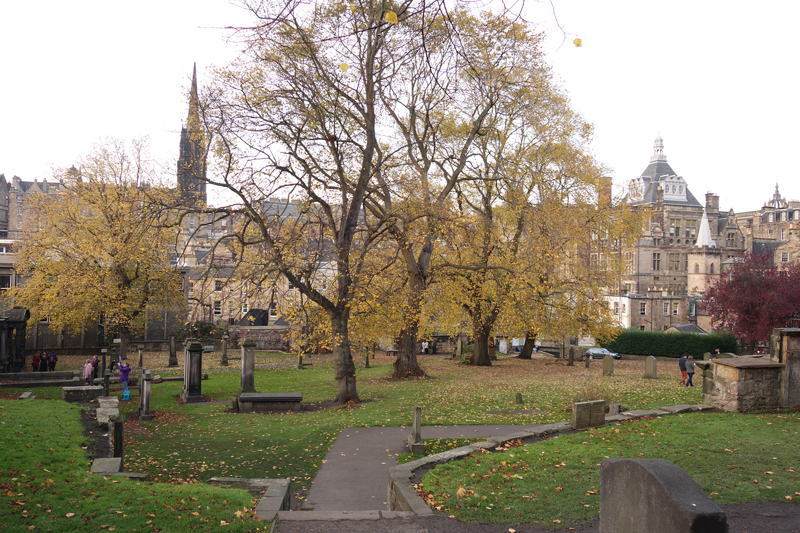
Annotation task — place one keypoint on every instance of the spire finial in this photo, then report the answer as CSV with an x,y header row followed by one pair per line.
x,y
704,234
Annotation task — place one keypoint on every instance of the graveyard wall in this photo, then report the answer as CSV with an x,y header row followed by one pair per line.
x,y
746,384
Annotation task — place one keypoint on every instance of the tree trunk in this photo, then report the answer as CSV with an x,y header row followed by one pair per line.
x,y
345,368
480,355
527,349
406,366
751,348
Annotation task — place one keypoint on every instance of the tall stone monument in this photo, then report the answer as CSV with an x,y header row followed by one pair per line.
x,y
608,366
173,354
248,365
192,372
144,396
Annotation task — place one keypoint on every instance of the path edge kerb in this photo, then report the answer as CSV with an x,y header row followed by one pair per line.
x,y
402,496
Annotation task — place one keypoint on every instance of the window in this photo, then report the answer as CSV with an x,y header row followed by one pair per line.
x,y
616,308
770,232
769,217
656,261
191,288
783,216
674,227
731,242
675,290
245,307
796,213
674,261
628,287
641,328
711,269
217,286
692,308
696,268
784,257
666,308
291,286
657,241
5,282
19,210
783,234
217,308
19,198
273,312
675,308
643,308
623,308
666,327
691,229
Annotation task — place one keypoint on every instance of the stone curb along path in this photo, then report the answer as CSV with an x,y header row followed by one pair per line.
x,y
338,486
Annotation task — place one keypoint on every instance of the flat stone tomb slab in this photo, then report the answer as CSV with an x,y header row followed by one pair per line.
x,y
269,401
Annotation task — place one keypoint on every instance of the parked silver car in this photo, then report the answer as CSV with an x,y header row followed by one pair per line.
x,y
599,353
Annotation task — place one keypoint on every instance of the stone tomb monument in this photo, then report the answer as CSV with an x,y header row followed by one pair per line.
x,y
248,366
588,414
650,367
192,372
415,442
144,395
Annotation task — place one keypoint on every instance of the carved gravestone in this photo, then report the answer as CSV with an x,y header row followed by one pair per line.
x,y
192,372
650,367
144,396
224,360
571,360
366,360
587,360
103,353
519,398
118,438
141,351
608,366
106,381
415,443
588,414
248,366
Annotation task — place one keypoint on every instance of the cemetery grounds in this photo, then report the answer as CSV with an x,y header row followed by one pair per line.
x,y
45,484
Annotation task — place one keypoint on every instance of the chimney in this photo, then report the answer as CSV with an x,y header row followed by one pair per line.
x,y
712,202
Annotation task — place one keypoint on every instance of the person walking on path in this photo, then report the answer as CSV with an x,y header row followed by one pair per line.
x,y
35,362
87,372
690,364
682,366
43,363
51,362
124,370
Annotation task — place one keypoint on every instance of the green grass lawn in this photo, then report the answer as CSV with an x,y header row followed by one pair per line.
x,y
185,444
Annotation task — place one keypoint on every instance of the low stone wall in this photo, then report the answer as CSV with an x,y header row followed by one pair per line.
x,y
746,384
81,394
265,337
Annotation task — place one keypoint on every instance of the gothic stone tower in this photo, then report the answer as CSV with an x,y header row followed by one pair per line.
x,y
192,159
703,261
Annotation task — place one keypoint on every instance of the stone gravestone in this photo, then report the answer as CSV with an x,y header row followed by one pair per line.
x,y
224,360
141,351
144,396
192,372
106,381
588,414
587,360
608,366
103,354
248,366
415,443
519,398
571,360
173,355
118,438
366,360
650,367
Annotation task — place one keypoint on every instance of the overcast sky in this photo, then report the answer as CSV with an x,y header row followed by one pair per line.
x,y
718,80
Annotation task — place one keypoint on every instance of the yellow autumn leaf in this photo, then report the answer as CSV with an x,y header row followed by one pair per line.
x,y
353,7
461,492
391,17
577,42
344,67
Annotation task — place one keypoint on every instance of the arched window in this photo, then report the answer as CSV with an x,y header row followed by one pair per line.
x,y
696,268
711,270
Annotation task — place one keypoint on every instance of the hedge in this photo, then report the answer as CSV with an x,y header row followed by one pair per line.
x,y
660,344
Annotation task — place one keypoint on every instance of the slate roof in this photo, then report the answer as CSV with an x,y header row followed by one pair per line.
x,y
767,247
690,328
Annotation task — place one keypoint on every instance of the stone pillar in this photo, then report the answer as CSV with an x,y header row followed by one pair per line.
x,y
118,437
366,359
192,372
587,360
248,365
415,442
144,396
103,354
608,366
650,367
106,381
571,360
224,360
173,355
141,350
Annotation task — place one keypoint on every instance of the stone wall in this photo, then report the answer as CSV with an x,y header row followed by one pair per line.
x,y
746,384
266,337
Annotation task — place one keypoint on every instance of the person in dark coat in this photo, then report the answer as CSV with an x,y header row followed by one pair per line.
x,y
43,363
95,367
690,364
682,366
51,362
35,362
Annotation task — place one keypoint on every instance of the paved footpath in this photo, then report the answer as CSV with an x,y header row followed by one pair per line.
x,y
354,475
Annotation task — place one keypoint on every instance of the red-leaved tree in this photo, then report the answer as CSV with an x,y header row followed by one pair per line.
x,y
754,297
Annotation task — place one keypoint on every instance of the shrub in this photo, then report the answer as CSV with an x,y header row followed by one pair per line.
x,y
660,344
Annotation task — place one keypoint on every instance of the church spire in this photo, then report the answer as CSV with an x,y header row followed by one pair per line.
x,y
191,162
658,150
704,238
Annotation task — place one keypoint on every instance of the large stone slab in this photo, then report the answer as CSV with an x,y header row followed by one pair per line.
x,y
106,465
588,414
654,495
81,394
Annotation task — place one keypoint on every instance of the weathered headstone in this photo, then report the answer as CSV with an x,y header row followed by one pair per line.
x,y
588,414
224,360
235,404
141,351
103,354
608,366
366,360
106,381
300,365
519,398
173,354
571,360
658,496
587,360
144,396
415,443
192,372
248,366
650,367
118,438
